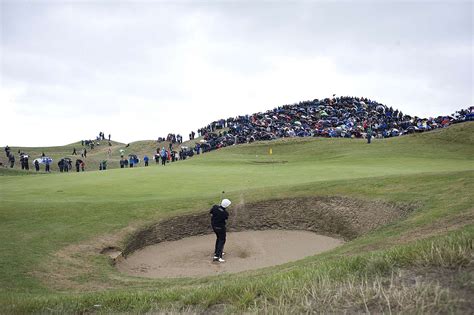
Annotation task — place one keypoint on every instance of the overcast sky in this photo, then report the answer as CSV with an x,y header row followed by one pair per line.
x,y
142,69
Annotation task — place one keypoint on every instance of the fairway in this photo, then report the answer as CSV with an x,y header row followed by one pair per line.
x,y
54,227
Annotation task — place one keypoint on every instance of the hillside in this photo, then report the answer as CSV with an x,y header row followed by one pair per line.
x,y
93,158
459,133
54,228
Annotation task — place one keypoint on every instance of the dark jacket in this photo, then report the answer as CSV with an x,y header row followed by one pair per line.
x,y
219,216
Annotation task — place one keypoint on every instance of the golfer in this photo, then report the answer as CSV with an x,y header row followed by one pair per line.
x,y
219,216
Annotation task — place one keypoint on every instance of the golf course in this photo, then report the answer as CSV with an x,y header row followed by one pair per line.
x,y
400,212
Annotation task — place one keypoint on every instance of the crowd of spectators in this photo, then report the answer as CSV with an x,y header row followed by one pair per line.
x,y
92,143
344,117
171,138
337,117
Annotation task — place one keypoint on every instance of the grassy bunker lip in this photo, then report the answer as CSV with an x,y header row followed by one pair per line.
x,y
335,216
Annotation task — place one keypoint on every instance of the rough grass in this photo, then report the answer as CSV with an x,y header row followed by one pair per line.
x,y
42,215
371,282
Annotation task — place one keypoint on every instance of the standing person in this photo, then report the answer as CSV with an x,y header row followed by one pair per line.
x,y
219,216
163,156
47,166
369,135
25,159
11,159
22,162
85,153
61,165
74,151
37,165
145,158
109,136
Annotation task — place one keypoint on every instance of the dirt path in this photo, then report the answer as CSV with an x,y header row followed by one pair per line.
x,y
191,256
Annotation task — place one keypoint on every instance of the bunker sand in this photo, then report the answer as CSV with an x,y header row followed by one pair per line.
x,y
248,250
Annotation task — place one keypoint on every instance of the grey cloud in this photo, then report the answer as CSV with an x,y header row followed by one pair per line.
x,y
100,55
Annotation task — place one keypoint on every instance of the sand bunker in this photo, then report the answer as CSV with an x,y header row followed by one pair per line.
x,y
260,234
191,256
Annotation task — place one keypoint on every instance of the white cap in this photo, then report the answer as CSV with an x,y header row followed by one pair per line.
x,y
225,203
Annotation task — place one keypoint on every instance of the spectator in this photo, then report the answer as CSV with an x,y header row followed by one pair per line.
x,y
22,162
164,156
103,165
61,165
11,159
78,165
26,161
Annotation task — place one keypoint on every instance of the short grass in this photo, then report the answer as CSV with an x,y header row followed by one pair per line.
x,y
40,215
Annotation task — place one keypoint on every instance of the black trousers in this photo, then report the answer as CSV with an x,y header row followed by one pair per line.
x,y
220,240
